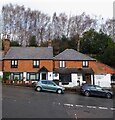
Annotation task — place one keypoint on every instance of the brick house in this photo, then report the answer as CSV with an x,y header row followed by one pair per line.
x,y
74,68
70,67
30,63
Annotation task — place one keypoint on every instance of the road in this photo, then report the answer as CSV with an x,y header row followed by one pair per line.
x,y
21,102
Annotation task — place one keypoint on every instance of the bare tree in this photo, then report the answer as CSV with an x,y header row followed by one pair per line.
x,y
78,25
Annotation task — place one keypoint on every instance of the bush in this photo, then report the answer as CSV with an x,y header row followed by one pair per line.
x,y
6,75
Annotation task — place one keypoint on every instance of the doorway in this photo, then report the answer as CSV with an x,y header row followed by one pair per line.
x,y
43,76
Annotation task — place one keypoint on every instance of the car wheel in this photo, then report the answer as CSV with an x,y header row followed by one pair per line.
x,y
38,89
108,95
87,93
59,91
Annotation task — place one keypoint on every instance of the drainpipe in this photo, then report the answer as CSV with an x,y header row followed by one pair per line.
x,y
93,79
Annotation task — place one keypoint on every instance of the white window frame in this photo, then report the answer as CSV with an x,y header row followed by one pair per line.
x,y
62,64
85,63
14,63
36,63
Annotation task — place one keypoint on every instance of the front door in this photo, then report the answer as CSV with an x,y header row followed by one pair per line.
x,y
43,76
88,78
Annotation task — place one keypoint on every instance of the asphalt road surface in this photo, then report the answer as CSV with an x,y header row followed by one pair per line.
x,y
24,102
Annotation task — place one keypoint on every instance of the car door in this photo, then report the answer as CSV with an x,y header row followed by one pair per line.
x,y
51,86
92,90
99,91
44,85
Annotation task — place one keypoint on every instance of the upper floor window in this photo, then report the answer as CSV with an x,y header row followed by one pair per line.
x,y
85,64
36,63
62,63
14,63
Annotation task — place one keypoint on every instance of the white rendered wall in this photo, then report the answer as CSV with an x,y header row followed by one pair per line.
x,y
103,80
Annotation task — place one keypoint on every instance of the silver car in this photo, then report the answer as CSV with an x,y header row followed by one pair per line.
x,y
48,85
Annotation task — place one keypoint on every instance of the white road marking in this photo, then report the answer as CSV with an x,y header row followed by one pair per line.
x,y
112,108
14,100
103,108
79,105
59,103
91,107
69,105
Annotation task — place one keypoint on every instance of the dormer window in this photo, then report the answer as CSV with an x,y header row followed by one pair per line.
x,y
36,63
14,63
85,63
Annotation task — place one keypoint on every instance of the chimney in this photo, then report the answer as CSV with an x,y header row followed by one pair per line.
x,y
6,45
49,43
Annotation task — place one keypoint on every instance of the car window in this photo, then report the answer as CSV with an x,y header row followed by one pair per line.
x,y
44,82
92,88
98,88
50,83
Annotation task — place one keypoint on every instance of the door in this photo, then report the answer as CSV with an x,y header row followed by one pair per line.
x,y
51,86
88,78
99,91
43,76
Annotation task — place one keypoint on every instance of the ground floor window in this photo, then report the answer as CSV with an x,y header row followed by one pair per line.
x,y
33,76
65,78
16,76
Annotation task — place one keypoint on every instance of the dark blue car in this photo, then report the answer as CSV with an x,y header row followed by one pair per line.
x,y
95,90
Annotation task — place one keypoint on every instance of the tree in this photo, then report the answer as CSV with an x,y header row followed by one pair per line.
x,y
14,43
79,24
99,46
32,41
108,57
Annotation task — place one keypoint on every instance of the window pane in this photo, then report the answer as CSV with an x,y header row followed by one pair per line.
x,y
34,62
12,62
37,63
16,76
86,63
63,63
32,77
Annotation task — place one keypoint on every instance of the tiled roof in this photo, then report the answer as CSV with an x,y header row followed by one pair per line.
x,y
70,54
100,68
30,53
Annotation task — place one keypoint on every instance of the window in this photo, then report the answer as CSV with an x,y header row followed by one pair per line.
x,y
35,63
50,83
33,76
62,63
98,88
14,63
44,82
85,64
16,76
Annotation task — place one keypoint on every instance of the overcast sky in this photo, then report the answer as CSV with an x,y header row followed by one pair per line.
x,y
102,8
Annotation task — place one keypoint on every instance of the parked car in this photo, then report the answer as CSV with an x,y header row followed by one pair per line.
x,y
48,85
95,90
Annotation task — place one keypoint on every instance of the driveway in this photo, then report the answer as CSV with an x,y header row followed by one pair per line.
x,y
21,102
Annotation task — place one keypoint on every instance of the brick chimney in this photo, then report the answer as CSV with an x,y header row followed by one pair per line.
x,y
49,43
6,45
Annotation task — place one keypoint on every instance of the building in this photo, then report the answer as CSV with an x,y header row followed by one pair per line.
x,y
30,63
70,67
